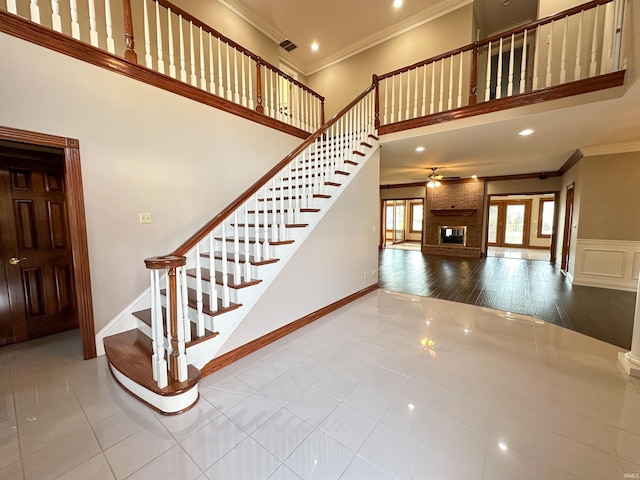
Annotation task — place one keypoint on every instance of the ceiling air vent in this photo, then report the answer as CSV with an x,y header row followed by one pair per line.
x,y
288,45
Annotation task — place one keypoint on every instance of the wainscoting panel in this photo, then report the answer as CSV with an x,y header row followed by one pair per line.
x,y
607,264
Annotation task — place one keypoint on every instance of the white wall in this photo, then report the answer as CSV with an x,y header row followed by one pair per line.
x,y
142,150
328,267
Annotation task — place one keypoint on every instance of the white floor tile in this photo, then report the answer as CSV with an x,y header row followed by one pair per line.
x,y
312,405
348,426
391,452
247,461
282,433
320,458
360,469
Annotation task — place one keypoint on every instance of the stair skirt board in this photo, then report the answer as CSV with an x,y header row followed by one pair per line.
x,y
164,404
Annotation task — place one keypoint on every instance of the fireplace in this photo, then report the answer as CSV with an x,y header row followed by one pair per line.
x,y
456,235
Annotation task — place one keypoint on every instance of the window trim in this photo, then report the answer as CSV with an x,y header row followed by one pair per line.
x,y
411,205
540,210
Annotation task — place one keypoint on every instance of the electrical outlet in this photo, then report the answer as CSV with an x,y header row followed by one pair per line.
x,y
373,273
145,217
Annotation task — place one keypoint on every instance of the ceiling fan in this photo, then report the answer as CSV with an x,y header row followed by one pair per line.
x,y
433,180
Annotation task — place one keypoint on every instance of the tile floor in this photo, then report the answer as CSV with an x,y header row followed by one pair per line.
x,y
390,386
522,253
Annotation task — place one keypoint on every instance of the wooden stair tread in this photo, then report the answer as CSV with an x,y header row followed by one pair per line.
x,y
252,261
206,275
145,316
130,353
252,240
193,303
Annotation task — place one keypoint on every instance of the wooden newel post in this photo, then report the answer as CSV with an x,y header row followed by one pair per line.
x,y
473,83
376,96
259,106
129,53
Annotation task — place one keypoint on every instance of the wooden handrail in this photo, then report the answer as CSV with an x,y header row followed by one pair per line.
x,y
198,23
508,33
229,209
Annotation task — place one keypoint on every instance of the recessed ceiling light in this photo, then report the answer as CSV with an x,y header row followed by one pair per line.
x,y
525,132
314,47
474,177
420,149
397,3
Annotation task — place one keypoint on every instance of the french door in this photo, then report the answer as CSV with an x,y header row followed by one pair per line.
x,y
508,223
394,213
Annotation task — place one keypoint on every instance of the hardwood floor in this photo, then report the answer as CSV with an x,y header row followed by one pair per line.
x,y
521,286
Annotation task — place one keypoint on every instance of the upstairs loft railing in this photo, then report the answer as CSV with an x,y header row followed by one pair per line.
x,y
224,251
172,42
564,49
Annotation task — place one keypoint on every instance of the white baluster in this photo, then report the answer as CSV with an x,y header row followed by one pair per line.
x,y
154,346
510,78
147,36
35,11
274,203
563,55
294,188
213,294
487,91
12,7
523,65
203,75
617,36
266,99
408,110
441,96
415,96
393,99
273,106
244,82
251,105
237,277
75,26
450,97
199,301
549,55
169,347
172,63
536,50
225,269
212,82
236,89
56,21
265,245
577,72
499,77
386,100
159,39
220,85
93,28
282,224
460,73
185,306
433,88
247,259
183,62
182,357
424,90
229,91
594,46
400,97
111,46
256,231
192,57
608,34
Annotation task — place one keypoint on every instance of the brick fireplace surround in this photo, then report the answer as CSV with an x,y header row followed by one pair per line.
x,y
454,203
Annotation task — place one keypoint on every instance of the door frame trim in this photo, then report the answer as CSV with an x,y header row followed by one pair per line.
x,y
77,226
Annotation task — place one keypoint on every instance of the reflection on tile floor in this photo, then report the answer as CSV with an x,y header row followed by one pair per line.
x,y
390,386
522,253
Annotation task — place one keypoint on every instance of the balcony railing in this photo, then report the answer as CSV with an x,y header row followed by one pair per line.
x,y
564,49
172,42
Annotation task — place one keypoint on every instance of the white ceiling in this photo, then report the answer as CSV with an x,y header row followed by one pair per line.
x,y
487,145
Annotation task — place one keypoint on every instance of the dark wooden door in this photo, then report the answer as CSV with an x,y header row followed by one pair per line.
x,y
37,296
568,227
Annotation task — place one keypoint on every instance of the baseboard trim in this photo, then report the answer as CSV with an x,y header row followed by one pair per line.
x,y
248,348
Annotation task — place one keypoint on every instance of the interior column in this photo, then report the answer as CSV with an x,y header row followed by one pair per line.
x,y
630,361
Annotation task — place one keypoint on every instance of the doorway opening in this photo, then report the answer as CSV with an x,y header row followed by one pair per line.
x,y
44,251
521,226
402,223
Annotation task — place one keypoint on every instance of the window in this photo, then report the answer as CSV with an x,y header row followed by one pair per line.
x,y
545,218
417,210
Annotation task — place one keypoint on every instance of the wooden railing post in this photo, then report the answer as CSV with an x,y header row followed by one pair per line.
x,y
172,292
129,53
259,106
473,80
376,96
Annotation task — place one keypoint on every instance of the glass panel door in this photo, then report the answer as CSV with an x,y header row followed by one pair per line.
x,y
514,227
493,224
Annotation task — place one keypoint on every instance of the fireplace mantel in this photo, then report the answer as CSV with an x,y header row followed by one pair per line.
x,y
454,212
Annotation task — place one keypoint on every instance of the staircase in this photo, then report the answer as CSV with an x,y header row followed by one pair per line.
x,y
202,291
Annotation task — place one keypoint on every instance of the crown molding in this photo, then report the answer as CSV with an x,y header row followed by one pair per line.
x,y
276,35
611,149
421,18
